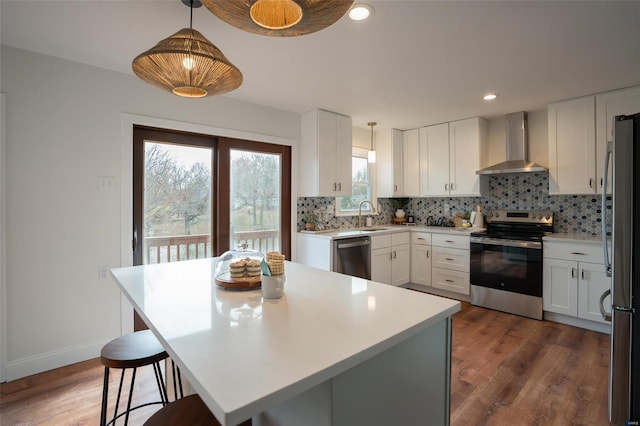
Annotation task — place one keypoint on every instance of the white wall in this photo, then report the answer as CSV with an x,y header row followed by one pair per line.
x,y
64,127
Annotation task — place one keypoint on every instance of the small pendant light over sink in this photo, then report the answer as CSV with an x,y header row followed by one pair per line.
x,y
187,64
279,18
371,157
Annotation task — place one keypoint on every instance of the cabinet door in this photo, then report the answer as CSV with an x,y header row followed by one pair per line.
x,y
327,146
400,265
434,160
465,138
421,264
572,147
560,286
592,283
398,163
343,154
411,162
381,265
608,105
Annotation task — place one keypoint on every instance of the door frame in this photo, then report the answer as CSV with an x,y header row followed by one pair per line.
x,y
126,182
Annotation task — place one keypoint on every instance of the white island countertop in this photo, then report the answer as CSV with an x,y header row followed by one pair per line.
x,y
244,354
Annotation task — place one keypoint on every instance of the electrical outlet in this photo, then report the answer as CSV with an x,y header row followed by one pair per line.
x,y
447,207
103,272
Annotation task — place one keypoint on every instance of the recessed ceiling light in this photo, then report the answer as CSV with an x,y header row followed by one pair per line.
x,y
490,96
360,11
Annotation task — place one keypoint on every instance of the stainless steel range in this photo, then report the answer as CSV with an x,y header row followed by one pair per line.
x,y
506,261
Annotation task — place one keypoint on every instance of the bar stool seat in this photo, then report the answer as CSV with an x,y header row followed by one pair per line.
x,y
131,351
189,410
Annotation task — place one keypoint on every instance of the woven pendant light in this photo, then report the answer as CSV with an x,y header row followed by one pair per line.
x,y
279,18
188,65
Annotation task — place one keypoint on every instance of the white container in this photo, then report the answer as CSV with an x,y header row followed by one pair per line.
x,y
272,287
369,221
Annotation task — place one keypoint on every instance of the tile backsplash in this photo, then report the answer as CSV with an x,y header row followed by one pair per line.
x,y
521,191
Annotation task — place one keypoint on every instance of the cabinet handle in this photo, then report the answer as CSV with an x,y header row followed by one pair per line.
x,y
446,187
601,182
582,274
395,188
453,186
334,186
590,183
427,254
390,256
448,241
394,254
578,253
449,259
339,186
449,281
573,273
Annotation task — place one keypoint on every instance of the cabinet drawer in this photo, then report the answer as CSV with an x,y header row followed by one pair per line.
x,y
448,240
592,253
380,241
421,238
455,281
454,259
400,238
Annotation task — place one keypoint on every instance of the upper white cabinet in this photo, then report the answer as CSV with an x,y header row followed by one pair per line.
x,y
450,154
579,130
411,162
572,146
397,144
608,105
434,160
325,154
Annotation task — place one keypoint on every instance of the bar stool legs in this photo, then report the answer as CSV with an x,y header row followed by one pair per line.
x,y
130,352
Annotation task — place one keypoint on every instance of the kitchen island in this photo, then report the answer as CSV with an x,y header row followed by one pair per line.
x,y
335,350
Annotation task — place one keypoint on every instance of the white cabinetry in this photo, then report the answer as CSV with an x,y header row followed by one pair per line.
x,y
421,258
390,258
578,133
572,146
315,251
450,262
450,154
397,143
411,162
325,154
573,279
608,105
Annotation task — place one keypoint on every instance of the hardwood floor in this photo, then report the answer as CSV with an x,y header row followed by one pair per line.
x,y
506,370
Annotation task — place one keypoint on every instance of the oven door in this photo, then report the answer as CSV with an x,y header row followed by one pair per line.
x,y
509,265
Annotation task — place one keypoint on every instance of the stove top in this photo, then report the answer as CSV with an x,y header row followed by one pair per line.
x,y
522,225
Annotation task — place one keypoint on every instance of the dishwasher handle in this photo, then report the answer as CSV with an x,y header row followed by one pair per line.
x,y
353,244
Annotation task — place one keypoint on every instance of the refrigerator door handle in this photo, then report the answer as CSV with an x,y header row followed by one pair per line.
x,y
605,175
605,315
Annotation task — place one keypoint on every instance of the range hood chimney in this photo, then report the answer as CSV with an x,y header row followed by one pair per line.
x,y
517,149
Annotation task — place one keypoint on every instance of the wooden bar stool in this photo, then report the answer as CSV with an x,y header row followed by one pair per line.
x,y
189,410
131,351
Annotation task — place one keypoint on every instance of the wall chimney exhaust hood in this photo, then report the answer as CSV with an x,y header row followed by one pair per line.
x,y
517,149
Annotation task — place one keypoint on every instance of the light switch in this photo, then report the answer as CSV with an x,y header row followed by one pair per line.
x,y
106,183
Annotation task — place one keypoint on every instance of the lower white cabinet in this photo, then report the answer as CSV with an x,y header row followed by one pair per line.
x,y
450,263
390,258
421,258
573,279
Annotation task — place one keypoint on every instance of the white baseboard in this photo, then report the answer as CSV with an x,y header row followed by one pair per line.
x,y
578,322
48,361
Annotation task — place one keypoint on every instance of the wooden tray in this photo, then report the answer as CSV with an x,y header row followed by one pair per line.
x,y
246,283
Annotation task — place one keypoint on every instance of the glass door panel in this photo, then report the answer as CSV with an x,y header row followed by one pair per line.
x,y
177,202
255,200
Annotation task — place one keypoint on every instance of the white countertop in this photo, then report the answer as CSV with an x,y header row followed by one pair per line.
x,y
574,238
389,229
243,354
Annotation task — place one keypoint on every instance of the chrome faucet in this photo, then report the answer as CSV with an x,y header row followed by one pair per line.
x,y
373,210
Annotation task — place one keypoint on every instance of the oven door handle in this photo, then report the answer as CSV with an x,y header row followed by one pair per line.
x,y
509,243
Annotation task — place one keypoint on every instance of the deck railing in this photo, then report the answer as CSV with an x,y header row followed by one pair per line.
x,y
185,247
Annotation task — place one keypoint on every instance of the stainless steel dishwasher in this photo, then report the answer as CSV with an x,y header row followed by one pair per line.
x,y
352,256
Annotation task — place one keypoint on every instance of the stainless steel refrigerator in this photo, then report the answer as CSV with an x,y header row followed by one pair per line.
x,y
623,265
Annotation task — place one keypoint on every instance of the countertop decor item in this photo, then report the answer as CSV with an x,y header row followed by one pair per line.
x,y
399,204
279,18
187,64
239,269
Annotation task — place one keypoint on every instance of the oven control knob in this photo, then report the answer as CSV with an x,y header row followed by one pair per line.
x,y
497,214
533,216
490,214
548,216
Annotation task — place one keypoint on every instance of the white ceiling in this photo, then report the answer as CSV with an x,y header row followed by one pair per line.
x,y
413,63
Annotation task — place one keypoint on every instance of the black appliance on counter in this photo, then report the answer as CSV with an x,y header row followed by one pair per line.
x,y
506,261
